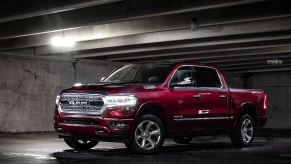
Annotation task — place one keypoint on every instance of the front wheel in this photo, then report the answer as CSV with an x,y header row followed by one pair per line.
x,y
80,144
243,134
148,135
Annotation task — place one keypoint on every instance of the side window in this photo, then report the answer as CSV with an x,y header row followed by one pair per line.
x,y
207,77
183,77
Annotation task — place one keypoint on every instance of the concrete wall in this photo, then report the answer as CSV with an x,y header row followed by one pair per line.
x,y
28,89
234,80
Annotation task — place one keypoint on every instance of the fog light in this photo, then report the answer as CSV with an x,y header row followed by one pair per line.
x,y
119,125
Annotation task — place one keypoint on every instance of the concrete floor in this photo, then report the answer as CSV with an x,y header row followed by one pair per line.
x,y
269,147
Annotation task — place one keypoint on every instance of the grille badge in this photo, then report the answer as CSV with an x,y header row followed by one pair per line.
x,y
78,103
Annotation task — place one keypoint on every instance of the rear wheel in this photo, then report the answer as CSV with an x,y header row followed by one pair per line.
x,y
243,134
80,144
183,140
148,135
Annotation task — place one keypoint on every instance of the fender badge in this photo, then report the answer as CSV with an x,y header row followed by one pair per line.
x,y
178,117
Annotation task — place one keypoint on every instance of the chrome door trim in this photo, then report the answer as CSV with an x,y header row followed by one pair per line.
x,y
202,118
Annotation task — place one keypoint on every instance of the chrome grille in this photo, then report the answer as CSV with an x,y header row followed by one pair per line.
x,y
80,103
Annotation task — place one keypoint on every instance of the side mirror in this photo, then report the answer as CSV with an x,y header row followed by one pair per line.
x,y
186,82
153,79
102,78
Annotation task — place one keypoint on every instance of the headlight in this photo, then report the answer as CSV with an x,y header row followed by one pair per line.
x,y
119,100
58,99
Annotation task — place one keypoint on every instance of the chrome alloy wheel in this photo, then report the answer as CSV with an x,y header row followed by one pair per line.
x,y
247,131
147,135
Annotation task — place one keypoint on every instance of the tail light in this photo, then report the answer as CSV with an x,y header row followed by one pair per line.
x,y
265,102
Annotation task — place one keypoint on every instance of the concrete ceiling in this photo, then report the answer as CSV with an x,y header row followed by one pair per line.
x,y
239,36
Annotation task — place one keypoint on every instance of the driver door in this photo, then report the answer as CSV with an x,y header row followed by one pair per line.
x,y
182,95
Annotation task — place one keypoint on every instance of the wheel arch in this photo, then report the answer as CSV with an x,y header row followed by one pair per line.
x,y
154,108
249,108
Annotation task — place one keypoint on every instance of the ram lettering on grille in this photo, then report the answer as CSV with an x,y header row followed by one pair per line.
x,y
80,103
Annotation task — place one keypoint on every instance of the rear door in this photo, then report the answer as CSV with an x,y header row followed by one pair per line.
x,y
212,102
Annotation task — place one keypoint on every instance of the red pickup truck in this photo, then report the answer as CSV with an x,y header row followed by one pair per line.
x,y
142,104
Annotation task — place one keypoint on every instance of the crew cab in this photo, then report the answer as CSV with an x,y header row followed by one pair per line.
x,y
142,104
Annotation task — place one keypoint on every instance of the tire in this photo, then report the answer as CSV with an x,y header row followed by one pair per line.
x,y
243,134
80,144
147,136
182,140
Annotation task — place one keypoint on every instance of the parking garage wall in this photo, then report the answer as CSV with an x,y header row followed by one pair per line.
x,y
234,80
28,89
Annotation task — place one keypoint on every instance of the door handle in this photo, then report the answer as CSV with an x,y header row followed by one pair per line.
x,y
203,111
196,96
222,96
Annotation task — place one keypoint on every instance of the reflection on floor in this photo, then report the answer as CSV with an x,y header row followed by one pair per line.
x,y
269,147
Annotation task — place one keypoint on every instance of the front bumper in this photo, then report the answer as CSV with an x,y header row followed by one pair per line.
x,y
92,127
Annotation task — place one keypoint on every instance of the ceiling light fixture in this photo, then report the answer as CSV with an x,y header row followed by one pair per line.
x,y
59,41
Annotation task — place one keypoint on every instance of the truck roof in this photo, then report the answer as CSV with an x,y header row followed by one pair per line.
x,y
176,63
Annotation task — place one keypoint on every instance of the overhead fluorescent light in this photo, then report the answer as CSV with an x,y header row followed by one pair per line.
x,y
59,41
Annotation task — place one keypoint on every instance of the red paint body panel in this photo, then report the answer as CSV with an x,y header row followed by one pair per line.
x,y
180,107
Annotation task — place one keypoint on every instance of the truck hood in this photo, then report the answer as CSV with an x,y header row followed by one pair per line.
x,y
109,88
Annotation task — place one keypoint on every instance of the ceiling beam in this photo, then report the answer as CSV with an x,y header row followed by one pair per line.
x,y
111,30
229,54
253,61
245,28
140,25
252,64
181,48
109,13
160,50
263,70
236,59
55,10
209,50
259,68
254,57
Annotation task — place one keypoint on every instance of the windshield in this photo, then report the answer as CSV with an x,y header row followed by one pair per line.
x,y
144,73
